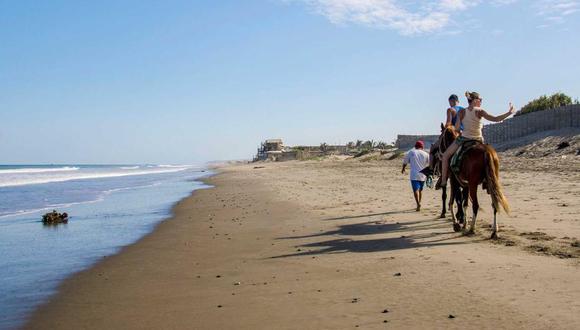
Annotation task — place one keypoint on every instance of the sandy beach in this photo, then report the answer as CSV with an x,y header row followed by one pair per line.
x,y
337,244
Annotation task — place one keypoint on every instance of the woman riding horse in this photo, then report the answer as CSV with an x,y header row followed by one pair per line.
x,y
471,118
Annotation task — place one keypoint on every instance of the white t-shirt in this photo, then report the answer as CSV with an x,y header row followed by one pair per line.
x,y
418,159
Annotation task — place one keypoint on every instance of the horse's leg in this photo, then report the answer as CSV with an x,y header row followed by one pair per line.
x,y
444,200
495,228
454,197
463,204
474,206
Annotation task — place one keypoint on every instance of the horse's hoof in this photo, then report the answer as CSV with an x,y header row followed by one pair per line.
x,y
456,227
469,233
494,235
442,216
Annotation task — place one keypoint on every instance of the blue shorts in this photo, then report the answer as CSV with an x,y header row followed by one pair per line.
x,y
417,185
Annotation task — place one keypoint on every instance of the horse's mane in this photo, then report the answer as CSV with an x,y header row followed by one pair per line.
x,y
449,129
448,135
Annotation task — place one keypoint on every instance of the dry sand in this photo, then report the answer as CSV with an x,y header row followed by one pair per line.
x,y
337,245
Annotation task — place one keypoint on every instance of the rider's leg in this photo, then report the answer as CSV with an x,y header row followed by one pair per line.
x,y
445,163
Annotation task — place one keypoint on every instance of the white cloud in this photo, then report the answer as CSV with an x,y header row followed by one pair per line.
x,y
498,3
406,17
555,11
418,17
456,4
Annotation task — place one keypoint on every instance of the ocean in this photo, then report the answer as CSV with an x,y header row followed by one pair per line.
x,y
109,207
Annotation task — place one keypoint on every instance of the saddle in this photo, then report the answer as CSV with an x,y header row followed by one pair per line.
x,y
464,147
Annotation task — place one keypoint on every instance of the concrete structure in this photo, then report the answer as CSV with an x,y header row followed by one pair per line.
x,y
406,142
531,123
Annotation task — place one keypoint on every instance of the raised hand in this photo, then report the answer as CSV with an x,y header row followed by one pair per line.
x,y
512,108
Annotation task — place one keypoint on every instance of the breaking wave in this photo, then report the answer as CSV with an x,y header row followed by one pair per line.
x,y
32,170
25,176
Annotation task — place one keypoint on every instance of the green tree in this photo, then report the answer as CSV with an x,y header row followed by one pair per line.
x,y
547,102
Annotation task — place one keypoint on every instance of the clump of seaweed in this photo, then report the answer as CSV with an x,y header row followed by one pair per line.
x,y
54,218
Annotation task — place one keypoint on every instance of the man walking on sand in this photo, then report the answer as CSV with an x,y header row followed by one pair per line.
x,y
418,159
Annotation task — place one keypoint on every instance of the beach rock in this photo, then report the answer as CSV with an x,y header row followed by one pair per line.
x,y
451,316
53,218
397,274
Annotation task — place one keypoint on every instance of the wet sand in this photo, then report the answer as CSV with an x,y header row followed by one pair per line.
x,y
337,245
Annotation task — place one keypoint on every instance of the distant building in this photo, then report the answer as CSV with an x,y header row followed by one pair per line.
x,y
270,149
275,150
273,145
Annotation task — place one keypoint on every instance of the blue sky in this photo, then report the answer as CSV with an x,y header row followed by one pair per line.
x,y
192,81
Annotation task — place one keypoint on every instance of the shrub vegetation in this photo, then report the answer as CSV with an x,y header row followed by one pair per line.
x,y
547,102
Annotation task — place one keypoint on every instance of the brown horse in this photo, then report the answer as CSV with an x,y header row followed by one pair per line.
x,y
480,165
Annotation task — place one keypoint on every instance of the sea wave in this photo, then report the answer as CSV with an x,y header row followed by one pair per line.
x,y
47,208
99,198
174,166
22,180
32,170
129,167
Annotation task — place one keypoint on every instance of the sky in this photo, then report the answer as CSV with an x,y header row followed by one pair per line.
x,y
185,82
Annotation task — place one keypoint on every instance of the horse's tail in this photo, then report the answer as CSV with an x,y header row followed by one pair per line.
x,y
492,178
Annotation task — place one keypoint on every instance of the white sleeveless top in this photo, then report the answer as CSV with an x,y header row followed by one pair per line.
x,y
472,124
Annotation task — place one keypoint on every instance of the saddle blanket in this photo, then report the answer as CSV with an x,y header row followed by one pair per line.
x,y
464,146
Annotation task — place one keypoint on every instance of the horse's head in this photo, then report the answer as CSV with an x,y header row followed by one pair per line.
x,y
448,136
450,129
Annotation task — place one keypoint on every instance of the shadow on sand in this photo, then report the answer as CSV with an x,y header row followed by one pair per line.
x,y
410,235
371,215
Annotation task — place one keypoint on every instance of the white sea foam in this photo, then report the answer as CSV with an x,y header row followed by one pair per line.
x,y
175,166
21,179
99,198
129,167
33,170
48,208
